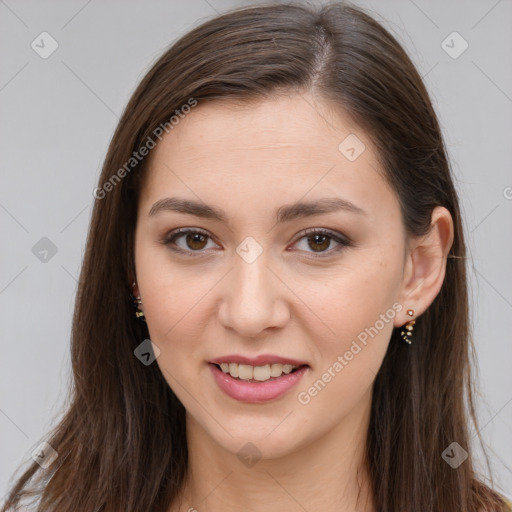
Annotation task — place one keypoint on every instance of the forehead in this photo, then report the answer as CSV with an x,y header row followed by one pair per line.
x,y
300,123
290,145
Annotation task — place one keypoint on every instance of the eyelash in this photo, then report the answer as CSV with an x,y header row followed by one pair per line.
x,y
342,240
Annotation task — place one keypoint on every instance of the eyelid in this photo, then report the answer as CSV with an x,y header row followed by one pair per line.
x,y
169,238
340,237
342,240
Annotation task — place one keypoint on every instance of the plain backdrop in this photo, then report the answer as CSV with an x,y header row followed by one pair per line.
x,y
57,115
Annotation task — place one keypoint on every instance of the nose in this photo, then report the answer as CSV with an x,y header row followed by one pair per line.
x,y
255,299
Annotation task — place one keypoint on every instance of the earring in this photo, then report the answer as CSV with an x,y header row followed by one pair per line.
x,y
136,301
409,326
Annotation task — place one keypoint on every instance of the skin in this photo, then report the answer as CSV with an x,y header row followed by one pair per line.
x,y
250,159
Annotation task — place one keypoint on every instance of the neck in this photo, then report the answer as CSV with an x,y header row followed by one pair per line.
x,y
328,474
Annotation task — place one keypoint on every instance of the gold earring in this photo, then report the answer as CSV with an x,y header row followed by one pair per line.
x,y
409,326
136,301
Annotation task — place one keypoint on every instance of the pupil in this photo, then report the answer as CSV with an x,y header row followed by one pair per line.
x,y
315,237
194,240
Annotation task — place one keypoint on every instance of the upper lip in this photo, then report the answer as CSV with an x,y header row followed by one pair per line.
x,y
260,360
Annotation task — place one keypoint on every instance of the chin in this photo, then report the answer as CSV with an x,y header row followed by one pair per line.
x,y
258,437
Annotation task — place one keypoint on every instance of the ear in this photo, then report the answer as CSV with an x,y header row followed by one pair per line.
x,y
425,266
132,285
135,292
134,288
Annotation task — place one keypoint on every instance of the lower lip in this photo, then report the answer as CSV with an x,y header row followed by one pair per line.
x,y
256,392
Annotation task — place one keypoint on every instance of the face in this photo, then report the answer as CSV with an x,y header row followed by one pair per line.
x,y
267,285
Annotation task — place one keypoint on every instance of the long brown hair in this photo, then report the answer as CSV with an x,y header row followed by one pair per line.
x,y
121,442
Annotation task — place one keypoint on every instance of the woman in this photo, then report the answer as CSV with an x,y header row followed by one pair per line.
x,y
277,205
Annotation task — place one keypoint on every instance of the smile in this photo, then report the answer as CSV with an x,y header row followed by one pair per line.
x,y
256,384
257,373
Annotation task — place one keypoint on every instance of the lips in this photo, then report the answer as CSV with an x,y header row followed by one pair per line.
x,y
263,387
260,360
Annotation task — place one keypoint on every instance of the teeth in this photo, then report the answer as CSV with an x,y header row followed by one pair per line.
x,y
260,373
287,368
276,370
245,372
233,369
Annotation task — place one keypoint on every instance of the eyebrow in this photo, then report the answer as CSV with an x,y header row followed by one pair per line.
x,y
282,214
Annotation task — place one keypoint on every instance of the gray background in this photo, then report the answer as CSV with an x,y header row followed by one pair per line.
x,y
58,114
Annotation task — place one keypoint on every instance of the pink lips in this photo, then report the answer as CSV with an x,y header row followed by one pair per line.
x,y
256,392
260,360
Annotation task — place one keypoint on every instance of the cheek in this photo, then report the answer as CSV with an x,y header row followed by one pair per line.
x,y
359,308
352,299
179,318
168,290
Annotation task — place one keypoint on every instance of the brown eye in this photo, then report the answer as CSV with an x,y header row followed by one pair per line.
x,y
317,241
191,241
320,241
195,240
